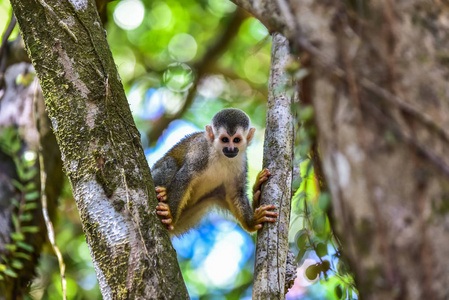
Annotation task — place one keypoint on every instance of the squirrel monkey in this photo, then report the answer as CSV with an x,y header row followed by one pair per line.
x,y
209,168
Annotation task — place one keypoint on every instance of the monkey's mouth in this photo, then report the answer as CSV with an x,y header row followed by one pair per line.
x,y
230,153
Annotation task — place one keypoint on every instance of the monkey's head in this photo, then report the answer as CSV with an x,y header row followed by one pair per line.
x,y
230,131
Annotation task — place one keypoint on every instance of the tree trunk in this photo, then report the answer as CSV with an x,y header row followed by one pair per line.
x,y
16,117
101,150
272,239
379,88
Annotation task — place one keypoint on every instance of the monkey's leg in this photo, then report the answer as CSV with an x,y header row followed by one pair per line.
x,y
252,218
163,209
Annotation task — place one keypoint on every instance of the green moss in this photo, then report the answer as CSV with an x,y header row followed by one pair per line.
x,y
118,205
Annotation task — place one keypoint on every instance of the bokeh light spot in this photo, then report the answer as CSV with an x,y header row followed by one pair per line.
x,y
178,77
160,16
257,30
182,47
254,68
128,14
220,7
212,86
222,264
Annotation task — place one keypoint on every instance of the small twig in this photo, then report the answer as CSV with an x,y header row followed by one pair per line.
x,y
48,222
5,37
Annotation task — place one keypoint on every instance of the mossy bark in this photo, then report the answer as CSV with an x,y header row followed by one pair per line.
x,y
101,149
379,88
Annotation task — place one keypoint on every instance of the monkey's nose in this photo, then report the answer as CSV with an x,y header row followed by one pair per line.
x,y
230,152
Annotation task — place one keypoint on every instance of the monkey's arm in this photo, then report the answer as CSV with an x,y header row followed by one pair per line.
x,y
252,218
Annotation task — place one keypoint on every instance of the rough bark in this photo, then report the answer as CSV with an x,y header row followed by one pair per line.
x,y
272,239
16,110
382,109
101,150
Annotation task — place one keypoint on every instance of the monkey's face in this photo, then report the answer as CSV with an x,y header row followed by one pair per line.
x,y
231,144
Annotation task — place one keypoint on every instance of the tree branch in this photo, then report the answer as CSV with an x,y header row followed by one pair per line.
x,y
272,239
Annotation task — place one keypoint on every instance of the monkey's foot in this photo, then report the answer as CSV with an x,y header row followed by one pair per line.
x,y
163,210
263,214
161,193
261,178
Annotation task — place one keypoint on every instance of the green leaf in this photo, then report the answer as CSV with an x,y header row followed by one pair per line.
x,y
1,277
26,217
325,266
18,185
15,202
306,113
15,221
11,247
338,291
3,267
324,201
342,268
17,264
321,250
10,273
302,239
17,236
25,246
31,229
28,174
22,255
4,258
312,271
31,186
32,196
319,225
30,206
301,254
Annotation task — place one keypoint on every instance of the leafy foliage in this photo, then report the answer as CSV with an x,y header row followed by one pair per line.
x,y
25,165
314,239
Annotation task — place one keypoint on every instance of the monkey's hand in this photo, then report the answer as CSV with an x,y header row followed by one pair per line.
x,y
261,178
163,209
262,214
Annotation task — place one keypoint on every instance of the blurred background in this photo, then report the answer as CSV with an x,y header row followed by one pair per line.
x,y
180,62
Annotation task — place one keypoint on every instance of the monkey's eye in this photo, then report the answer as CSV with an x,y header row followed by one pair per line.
x,y
225,140
237,140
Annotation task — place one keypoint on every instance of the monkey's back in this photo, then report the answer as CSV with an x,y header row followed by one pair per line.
x,y
191,152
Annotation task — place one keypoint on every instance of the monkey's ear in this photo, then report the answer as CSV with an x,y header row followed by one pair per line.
x,y
250,135
210,133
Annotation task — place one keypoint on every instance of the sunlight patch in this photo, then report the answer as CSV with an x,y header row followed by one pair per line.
x,y
129,14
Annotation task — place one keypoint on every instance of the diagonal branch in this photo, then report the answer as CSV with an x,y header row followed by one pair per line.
x,y
202,68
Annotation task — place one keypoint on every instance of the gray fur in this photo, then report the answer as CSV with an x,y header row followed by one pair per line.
x,y
231,119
